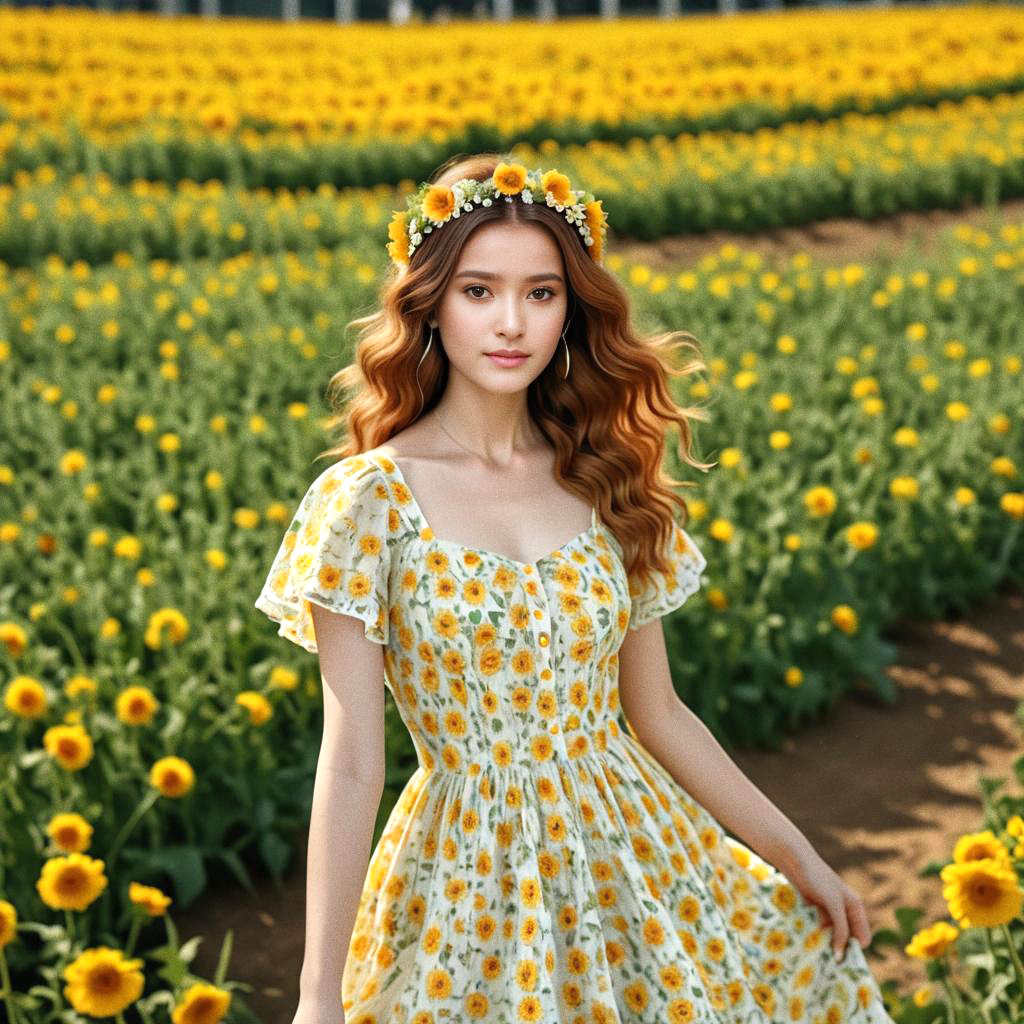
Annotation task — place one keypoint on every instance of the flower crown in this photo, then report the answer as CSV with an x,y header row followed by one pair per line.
x,y
431,206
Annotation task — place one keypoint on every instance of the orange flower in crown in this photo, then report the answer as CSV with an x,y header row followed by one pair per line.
x,y
432,206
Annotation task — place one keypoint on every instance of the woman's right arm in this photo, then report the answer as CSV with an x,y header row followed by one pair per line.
x,y
346,798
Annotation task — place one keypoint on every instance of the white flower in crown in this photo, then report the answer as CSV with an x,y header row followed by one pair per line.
x,y
432,206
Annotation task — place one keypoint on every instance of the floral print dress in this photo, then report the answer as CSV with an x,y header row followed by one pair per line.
x,y
540,863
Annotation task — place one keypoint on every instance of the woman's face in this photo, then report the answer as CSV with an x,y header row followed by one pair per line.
x,y
508,292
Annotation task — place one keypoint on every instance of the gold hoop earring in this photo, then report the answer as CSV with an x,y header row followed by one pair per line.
x,y
564,342
419,364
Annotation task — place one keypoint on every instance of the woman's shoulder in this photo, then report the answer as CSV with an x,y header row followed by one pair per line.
x,y
351,472
352,489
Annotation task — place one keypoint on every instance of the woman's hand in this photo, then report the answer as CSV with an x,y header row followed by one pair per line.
x,y
836,901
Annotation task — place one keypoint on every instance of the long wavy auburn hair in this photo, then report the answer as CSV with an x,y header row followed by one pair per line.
x,y
606,422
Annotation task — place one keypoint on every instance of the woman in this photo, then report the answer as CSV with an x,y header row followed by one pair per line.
x,y
497,542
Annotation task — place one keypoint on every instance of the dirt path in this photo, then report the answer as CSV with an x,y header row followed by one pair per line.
x,y
880,792
839,240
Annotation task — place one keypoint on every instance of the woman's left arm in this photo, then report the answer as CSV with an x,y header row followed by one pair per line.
x,y
688,750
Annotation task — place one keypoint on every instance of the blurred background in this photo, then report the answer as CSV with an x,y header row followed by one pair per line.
x,y
194,202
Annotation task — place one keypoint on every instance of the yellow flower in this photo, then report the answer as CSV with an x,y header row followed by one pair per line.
x,y
70,831
149,898
80,683
957,411
862,535
8,923
282,678
903,487
845,618
979,846
906,437
596,221
73,462
933,941
102,983
922,995
509,179
1002,465
136,705
558,185
259,708
398,247
982,893
169,622
820,501
794,676
1012,503
203,1004
173,776
439,203
72,882
720,529
128,547
13,639
25,697
71,745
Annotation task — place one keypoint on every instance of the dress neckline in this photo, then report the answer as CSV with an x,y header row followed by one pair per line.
x,y
456,545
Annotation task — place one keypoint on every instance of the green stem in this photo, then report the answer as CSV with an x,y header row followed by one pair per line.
x,y
69,638
133,933
1015,957
144,805
6,992
954,1003
218,723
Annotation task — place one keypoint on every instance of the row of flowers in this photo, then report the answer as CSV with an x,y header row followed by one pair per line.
x,y
858,165
571,81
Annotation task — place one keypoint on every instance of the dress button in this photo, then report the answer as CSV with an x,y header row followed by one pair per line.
x,y
543,639
554,727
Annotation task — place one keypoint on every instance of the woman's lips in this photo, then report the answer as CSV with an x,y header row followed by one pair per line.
x,y
508,361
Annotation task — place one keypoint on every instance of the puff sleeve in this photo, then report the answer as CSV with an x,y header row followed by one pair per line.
x,y
664,593
335,554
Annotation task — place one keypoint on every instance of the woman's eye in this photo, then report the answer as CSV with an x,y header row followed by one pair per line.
x,y
481,288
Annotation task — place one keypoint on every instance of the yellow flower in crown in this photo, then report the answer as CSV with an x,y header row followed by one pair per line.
x,y
433,206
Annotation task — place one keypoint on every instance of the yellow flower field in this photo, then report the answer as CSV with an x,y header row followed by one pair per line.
x,y
375,82
855,165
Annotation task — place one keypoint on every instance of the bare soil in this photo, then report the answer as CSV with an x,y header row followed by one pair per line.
x,y
880,791
840,240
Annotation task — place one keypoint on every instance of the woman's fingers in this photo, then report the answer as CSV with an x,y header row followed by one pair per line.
x,y
859,919
840,927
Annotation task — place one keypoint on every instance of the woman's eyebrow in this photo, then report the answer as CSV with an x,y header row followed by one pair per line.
x,y
532,277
